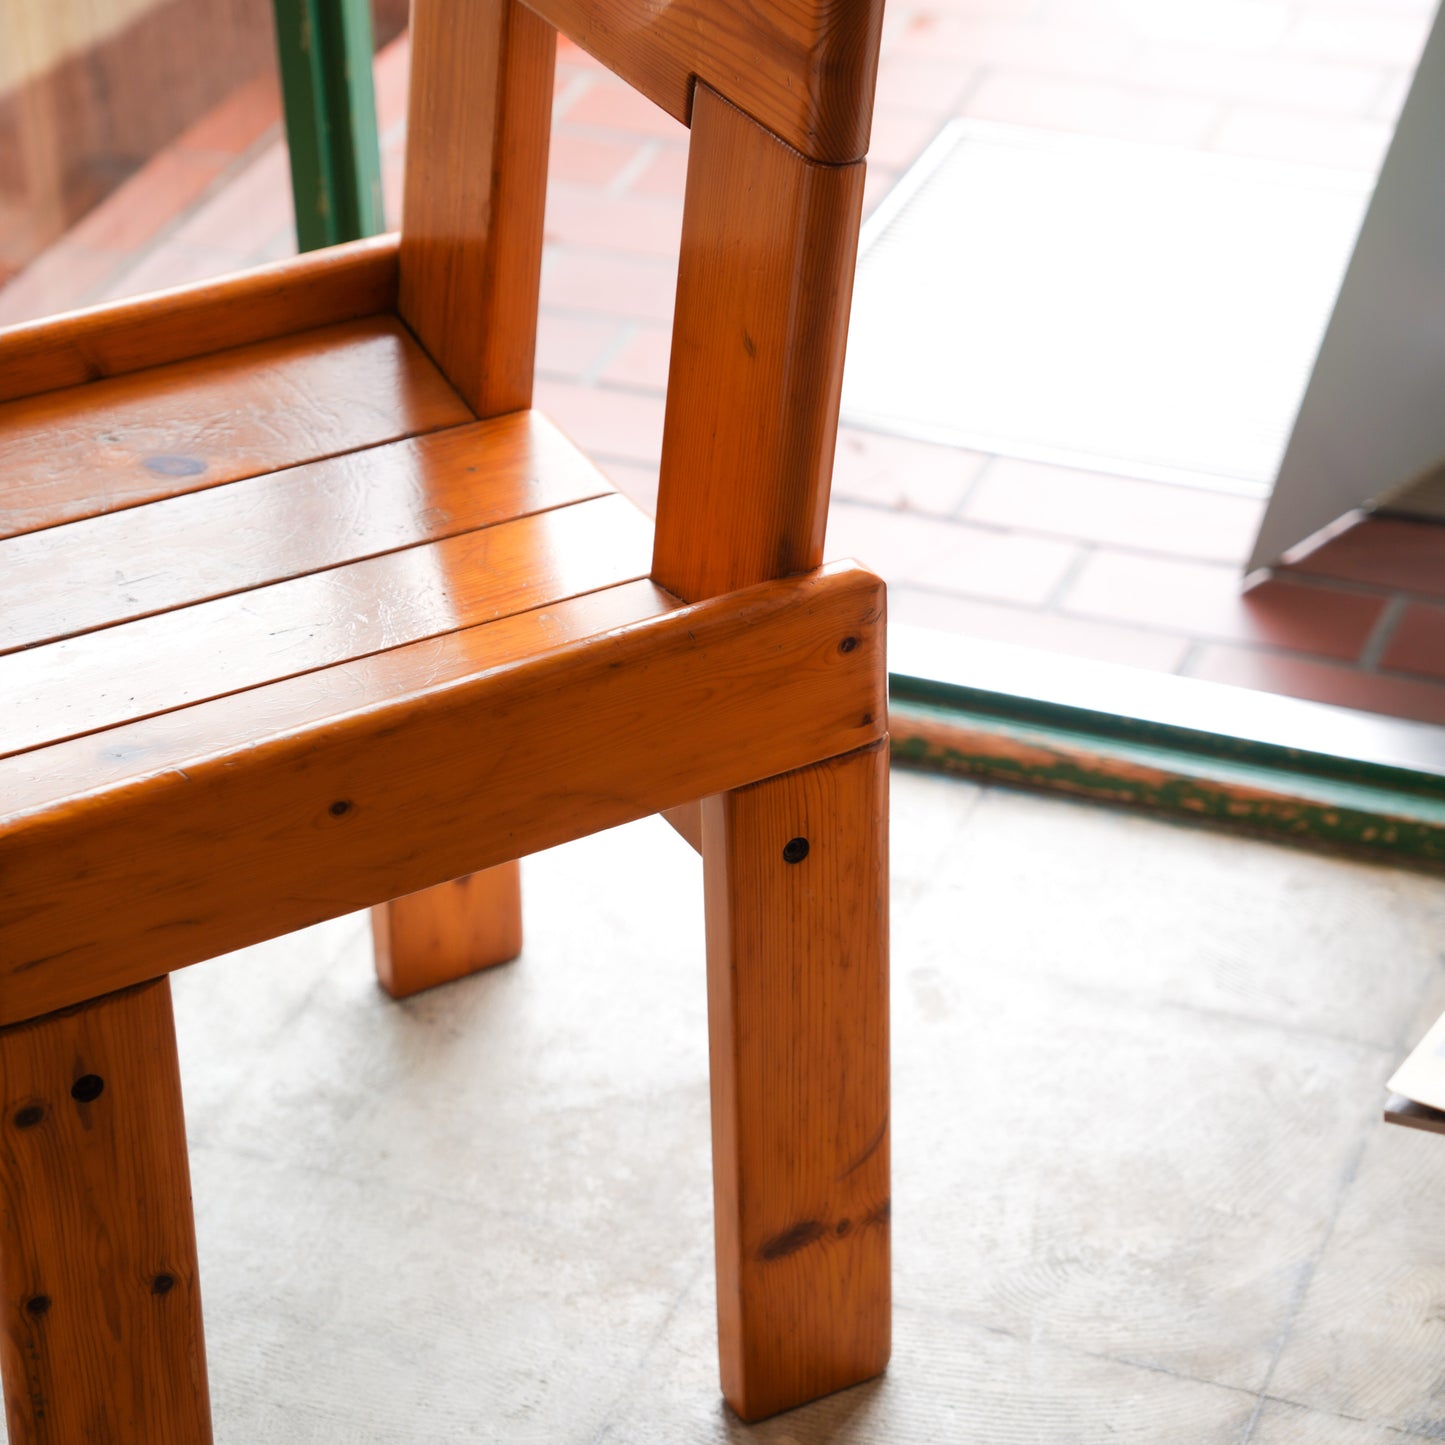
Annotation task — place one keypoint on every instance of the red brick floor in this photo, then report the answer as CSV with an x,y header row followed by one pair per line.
x,y
1097,566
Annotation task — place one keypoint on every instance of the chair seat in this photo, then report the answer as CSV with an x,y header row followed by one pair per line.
x,y
285,507
225,580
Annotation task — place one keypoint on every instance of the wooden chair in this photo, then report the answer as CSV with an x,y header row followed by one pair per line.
x,y
305,609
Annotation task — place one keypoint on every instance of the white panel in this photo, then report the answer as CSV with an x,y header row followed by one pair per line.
x,y
1373,419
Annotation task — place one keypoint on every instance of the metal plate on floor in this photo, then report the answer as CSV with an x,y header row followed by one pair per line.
x,y
1122,307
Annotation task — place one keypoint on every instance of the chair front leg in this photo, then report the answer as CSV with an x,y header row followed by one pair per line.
x,y
796,874
102,1331
447,932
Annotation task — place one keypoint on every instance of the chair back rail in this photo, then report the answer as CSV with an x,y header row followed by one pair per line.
x,y
342,283
769,241
804,69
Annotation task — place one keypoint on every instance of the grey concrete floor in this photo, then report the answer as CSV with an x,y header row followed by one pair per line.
x,y
1141,1189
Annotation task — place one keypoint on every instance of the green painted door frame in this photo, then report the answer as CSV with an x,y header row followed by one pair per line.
x,y
325,52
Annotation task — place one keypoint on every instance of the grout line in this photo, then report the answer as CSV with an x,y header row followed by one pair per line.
x,y
592,130
966,93
1307,1274
1399,510
579,248
1209,140
617,388
577,86
579,313
1400,674
1381,634
1193,655
1387,82
622,338
1196,645
990,459
1007,529
1399,1430
609,1415
1322,580
1233,1018
604,459
1061,589
1403,1039
1063,1347
1053,606
643,157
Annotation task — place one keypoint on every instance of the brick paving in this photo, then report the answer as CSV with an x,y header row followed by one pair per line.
x,y
1097,566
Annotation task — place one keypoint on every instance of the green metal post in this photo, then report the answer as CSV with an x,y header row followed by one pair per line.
x,y
325,48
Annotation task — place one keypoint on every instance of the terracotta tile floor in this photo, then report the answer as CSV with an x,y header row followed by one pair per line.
x,y
1105,567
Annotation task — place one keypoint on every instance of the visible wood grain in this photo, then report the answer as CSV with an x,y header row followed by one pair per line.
x,y
765,279
444,933
798,1024
686,822
297,294
56,777
803,68
1400,1110
174,659
478,126
218,418
476,181
102,1332
201,545
256,814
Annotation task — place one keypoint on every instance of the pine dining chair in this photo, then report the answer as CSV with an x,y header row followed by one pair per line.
x,y
305,610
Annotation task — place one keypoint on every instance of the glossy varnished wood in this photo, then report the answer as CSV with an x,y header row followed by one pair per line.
x,y
444,933
225,539
174,659
476,180
51,780
686,822
803,68
101,1303
256,814
796,878
765,278
198,423
297,294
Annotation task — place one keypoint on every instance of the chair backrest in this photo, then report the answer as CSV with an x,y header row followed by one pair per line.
x,y
778,95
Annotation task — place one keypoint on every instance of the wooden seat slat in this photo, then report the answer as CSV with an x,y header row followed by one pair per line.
x,y
276,808
191,424
174,659
201,545
50,780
